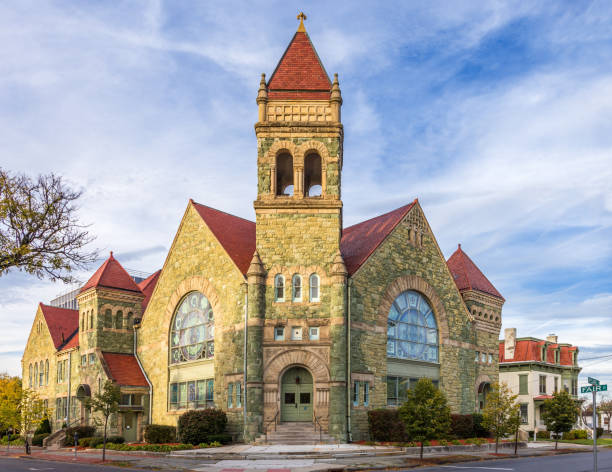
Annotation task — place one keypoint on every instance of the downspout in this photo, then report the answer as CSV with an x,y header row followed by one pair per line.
x,y
144,373
244,354
349,436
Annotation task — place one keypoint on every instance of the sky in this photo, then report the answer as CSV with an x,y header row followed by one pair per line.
x,y
496,115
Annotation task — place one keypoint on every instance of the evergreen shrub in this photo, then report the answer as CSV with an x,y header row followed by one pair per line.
x,y
195,426
82,431
37,439
462,426
479,430
159,434
385,425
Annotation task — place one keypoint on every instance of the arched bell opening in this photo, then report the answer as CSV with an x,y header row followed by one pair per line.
x,y
284,174
312,176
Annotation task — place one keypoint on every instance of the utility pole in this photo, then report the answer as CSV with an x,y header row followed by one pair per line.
x,y
594,430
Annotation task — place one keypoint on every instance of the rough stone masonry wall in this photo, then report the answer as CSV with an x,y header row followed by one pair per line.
x,y
397,257
196,261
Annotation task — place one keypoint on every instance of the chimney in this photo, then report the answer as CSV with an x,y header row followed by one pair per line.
x,y
552,338
509,343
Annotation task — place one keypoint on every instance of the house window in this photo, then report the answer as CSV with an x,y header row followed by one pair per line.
x,y
92,358
523,384
279,333
296,283
366,393
543,354
192,394
193,330
84,360
314,288
35,374
47,372
296,333
313,333
238,395
41,375
490,358
556,384
524,413
543,384
396,390
230,392
574,387
355,393
279,288
477,356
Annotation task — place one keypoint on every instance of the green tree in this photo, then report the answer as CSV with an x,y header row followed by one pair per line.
x,y
560,414
501,413
606,409
39,231
10,397
425,413
31,412
105,403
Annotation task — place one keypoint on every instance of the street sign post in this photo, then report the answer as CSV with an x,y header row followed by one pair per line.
x,y
594,388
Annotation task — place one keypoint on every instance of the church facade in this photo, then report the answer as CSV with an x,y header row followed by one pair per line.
x,y
289,318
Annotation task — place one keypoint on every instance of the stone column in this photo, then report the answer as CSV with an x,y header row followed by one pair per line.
x,y
337,333
255,320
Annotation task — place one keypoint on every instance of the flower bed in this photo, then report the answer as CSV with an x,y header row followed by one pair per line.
x,y
169,447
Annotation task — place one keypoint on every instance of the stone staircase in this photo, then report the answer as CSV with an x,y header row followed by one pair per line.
x,y
295,433
55,440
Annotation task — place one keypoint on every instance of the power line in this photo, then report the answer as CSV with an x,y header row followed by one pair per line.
x,y
598,357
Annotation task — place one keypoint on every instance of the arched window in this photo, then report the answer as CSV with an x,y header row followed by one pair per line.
x,y
83,321
314,287
296,288
279,288
91,319
284,174
119,321
412,332
193,330
108,319
47,372
130,320
41,375
35,374
312,175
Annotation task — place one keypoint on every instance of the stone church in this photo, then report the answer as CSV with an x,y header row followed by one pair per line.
x,y
291,318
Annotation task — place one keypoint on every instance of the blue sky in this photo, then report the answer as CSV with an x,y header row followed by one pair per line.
x,y
496,115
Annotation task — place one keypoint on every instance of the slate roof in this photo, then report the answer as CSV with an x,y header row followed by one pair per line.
x,y
361,240
111,274
62,324
124,369
300,73
236,235
468,276
529,350
147,286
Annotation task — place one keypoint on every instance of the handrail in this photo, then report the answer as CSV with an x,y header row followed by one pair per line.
x,y
273,420
315,423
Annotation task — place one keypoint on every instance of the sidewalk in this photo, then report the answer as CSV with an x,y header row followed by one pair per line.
x,y
342,457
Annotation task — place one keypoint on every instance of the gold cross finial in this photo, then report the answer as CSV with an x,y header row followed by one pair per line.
x,y
301,17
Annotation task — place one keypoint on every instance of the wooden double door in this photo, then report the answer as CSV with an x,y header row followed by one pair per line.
x,y
296,395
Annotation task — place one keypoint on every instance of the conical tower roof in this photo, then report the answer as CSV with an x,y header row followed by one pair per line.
x,y
468,276
111,274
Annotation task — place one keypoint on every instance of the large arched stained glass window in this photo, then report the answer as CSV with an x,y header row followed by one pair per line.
x,y
412,332
193,330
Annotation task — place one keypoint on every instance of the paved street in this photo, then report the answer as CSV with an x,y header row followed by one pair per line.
x,y
9,464
580,462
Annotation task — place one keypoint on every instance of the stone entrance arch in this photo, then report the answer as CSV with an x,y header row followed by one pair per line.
x,y
281,362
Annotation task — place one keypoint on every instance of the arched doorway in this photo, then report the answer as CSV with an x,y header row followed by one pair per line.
x,y
296,395
483,392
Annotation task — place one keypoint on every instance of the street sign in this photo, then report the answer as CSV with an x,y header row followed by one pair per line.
x,y
594,388
592,381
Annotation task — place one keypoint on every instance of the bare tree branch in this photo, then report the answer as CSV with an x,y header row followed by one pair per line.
x,y
39,229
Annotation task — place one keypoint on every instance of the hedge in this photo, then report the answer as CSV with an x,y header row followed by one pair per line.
x,y
222,438
462,426
195,426
94,442
147,447
385,426
479,430
37,439
159,434
82,431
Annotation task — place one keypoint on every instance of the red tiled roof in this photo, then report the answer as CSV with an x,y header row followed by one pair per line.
x,y
468,276
361,240
73,341
529,350
236,235
300,70
124,369
111,275
62,323
147,286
